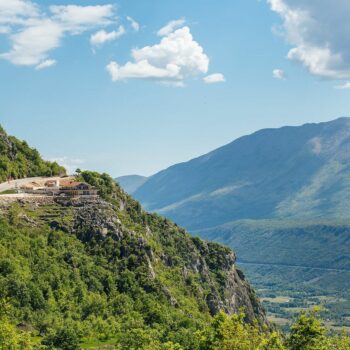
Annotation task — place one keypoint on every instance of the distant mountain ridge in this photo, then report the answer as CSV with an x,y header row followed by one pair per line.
x,y
281,198
130,183
289,172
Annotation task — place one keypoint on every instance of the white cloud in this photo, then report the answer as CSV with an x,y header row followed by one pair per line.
x,y
4,30
176,58
134,25
319,31
142,70
214,78
344,86
17,11
279,74
33,33
102,36
31,45
170,27
77,18
45,64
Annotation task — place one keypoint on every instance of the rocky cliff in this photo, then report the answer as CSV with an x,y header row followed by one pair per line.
x,y
124,231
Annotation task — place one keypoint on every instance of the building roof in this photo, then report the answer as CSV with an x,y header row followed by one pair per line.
x,y
31,185
51,181
73,183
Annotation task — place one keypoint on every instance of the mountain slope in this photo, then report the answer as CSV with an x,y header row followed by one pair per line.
x,y
102,271
274,173
131,183
18,160
281,198
107,271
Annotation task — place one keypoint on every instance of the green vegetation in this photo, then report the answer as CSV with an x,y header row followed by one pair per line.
x,y
18,160
286,291
107,273
277,201
104,274
306,262
141,284
223,332
8,192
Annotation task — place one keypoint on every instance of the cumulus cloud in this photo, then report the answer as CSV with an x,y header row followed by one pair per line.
x,y
134,25
214,78
75,18
319,31
177,57
45,64
31,45
170,27
141,70
102,36
279,74
34,33
17,11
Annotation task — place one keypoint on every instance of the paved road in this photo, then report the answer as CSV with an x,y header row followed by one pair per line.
x,y
9,186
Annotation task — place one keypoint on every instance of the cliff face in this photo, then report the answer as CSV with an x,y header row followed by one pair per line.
x,y
205,272
212,264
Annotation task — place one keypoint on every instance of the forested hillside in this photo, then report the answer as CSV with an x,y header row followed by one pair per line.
x,y
104,274
294,264
18,160
106,271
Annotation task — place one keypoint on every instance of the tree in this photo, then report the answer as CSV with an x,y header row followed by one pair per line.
x,y
64,339
10,337
232,333
272,341
308,333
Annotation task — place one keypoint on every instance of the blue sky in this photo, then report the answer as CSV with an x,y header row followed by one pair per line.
x,y
59,96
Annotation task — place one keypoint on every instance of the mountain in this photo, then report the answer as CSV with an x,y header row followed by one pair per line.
x,y
291,172
103,273
281,198
18,160
107,269
131,183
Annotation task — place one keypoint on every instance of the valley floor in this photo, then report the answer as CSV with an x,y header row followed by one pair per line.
x,y
287,290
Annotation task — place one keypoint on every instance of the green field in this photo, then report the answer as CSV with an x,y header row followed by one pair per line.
x,y
287,291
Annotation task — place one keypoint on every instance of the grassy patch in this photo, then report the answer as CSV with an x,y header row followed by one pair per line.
x,y
8,192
